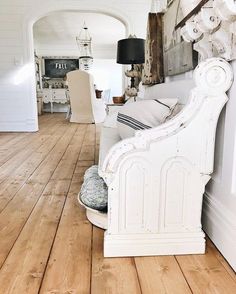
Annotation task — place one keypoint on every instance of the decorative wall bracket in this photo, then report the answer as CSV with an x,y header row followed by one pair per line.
x,y
190,32
225,9
213,30
204,48
222,41
207,20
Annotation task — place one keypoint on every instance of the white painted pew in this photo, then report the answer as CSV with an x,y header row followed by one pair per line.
x,y
156,179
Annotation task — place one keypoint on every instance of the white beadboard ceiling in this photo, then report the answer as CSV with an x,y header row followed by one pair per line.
x,y
55,34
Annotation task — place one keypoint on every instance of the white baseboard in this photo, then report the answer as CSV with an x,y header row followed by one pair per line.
x,y
19,126
163,244
220,225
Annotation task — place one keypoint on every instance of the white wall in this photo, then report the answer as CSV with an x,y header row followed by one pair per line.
x,y
18,111
219,204
108,75
219,214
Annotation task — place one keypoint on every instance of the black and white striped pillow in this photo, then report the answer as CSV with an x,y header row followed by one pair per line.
x,y
131,122
143,115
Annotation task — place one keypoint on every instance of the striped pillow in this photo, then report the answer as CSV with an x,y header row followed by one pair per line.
x,y
143,115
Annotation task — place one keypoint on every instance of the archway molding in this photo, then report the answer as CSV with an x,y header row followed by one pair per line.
x,y
44,10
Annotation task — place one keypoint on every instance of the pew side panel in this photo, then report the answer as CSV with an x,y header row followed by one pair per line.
x,y
157,179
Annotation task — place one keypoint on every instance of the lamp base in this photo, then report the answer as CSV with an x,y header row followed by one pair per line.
x,y
132,80
131,91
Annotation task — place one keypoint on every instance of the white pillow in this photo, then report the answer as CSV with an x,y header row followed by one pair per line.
x,y
111,120
177,109
141,90
142,115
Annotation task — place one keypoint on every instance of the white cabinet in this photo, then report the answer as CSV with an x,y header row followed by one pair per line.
x,y
55,96
47,96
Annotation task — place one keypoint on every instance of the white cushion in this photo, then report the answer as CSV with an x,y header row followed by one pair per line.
x,y
108,138
111,120
142,115
141,90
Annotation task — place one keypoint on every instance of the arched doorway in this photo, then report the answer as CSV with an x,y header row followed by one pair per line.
x,y
29,42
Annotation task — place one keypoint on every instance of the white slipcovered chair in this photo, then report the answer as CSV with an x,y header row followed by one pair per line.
x,y
85,107
156,179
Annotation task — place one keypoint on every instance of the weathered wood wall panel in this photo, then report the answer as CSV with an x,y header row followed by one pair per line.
x,y
153,67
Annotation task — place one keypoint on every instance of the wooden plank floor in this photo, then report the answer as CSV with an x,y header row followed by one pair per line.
x,y
48,246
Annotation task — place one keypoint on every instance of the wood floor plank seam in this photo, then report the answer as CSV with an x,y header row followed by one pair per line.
x,y
190,288
74,166
138,279
226,268
12,140
15,157
1,265
71,202
221,259
91,265
34,153
55,236
11,154
54,249
30,174
205,274
50,251
20,153
36,275
54,171
31,138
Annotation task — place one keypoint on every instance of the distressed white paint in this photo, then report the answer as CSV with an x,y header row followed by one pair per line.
x,y
157,179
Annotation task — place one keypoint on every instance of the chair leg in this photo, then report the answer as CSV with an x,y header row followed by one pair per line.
x,y
68,112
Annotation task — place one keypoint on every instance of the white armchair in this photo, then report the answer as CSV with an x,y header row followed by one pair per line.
x,y
85,107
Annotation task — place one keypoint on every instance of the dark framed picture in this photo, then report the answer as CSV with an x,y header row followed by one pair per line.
x,y
58,68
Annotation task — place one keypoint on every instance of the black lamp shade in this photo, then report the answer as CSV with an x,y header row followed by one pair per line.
x,y
130,51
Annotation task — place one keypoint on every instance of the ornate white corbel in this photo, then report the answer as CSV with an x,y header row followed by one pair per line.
x,y
190,32
207,20
225,9
233,31
232,28
204,48
213,28
222,41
